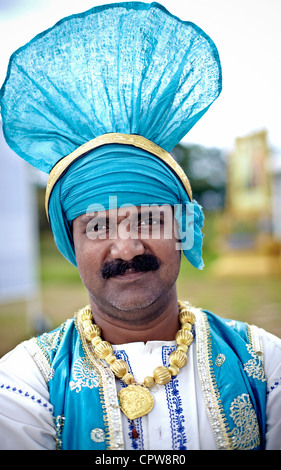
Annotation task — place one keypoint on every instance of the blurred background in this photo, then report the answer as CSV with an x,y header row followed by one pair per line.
x,y
232,157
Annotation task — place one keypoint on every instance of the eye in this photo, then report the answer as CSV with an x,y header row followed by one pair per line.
x,y
150,221
97,228
93,228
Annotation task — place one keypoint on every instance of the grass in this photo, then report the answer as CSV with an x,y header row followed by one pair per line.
x,y
253,299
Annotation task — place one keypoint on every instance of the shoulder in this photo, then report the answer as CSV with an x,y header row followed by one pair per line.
x,y
263,343
260,339
18,367
30,362
44,348
272,359
272,368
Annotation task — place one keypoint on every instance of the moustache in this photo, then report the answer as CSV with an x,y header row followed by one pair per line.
x,y
141,263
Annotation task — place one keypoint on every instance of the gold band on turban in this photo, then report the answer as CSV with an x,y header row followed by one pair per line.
x,y
114,138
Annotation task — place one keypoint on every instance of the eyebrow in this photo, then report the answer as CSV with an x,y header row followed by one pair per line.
x,y
86,218
142,212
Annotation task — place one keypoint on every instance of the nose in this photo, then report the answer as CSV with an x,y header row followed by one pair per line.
x,y
126,249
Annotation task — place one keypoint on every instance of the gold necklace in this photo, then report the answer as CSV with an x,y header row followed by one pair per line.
x,y
136,400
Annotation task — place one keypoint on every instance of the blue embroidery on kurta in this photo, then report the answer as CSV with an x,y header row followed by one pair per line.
x,y
174,402
137,444
272,387
20,392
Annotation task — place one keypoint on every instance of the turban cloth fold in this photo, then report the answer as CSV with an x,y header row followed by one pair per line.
x,y
130,68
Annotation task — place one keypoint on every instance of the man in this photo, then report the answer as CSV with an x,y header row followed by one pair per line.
x,y
104,97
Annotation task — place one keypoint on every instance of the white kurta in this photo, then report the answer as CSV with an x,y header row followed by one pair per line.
x,y
179,419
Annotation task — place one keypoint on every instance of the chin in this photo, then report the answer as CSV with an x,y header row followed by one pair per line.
x,y
136,309
132,304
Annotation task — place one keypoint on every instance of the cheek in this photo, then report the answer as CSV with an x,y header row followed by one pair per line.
x,y
88,258
169,256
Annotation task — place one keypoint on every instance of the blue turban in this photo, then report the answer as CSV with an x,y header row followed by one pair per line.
x,y
129,68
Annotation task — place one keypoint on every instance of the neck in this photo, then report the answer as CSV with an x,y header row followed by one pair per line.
x,y
162,323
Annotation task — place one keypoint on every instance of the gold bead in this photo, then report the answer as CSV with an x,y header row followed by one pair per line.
x,y
162,375
183,305
110,358
128,379
85,314
119,368
186,316
186,326
91,330
96,340
178,358
182,347
174,370
148,382
184,337
103,349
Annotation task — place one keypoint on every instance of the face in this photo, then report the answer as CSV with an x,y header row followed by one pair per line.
x,y
128,260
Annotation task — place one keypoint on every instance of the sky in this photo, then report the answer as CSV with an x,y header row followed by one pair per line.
x,y
247,34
